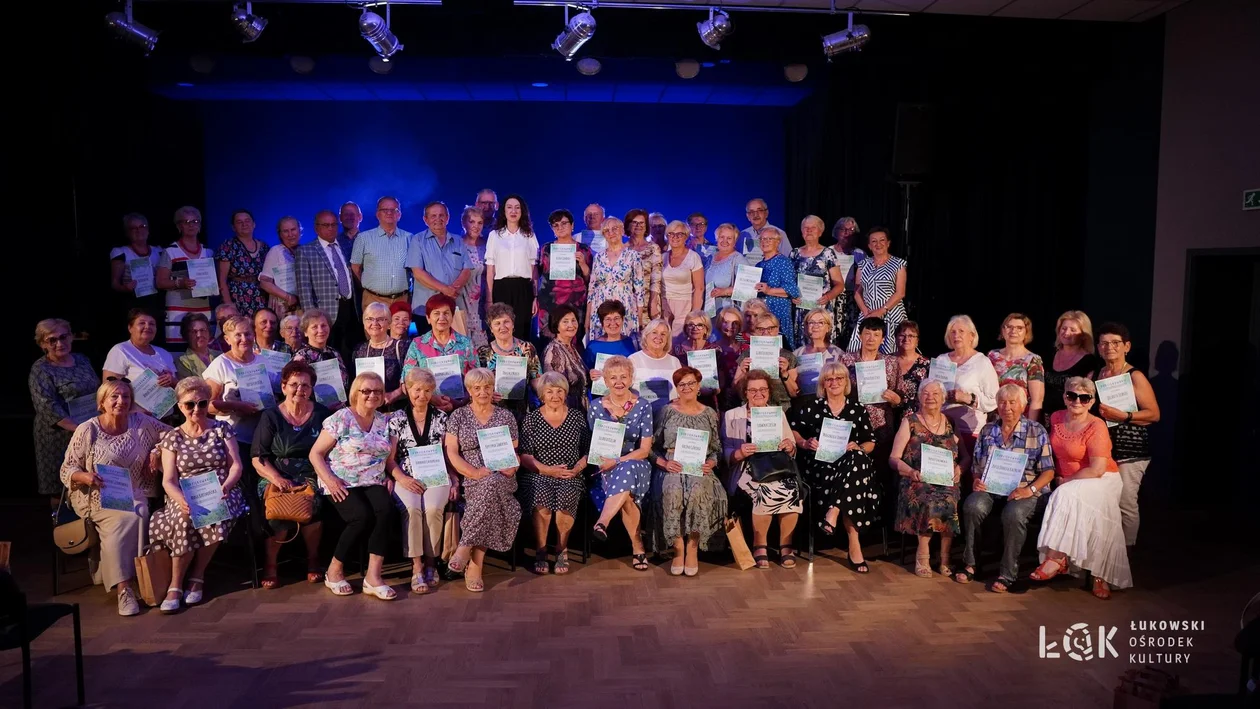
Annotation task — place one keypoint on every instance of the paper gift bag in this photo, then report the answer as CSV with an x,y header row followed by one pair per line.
x,y
450,533
739,547
153,575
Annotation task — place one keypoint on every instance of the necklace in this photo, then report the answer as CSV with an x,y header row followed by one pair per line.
x,y
935,428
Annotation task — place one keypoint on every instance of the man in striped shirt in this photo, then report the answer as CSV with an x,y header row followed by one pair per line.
x,y
379,258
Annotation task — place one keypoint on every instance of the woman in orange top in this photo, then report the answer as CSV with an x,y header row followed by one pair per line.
x,y
1082,523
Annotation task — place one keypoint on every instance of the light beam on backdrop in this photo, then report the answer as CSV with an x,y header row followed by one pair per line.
x,y
577,31
846,40
248,25
128,30
715,29
588,66
375,29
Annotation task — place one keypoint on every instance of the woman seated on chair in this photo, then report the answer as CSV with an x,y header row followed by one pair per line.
x,y
423,508
124,438
1082,528
282,457
846,489
352,458
621,485
198,446
776,498
554,441
924,508
491,512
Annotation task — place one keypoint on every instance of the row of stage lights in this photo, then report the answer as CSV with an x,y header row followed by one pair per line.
x,y
578,30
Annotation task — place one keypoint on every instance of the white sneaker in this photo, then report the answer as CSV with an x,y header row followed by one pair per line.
x,y
127,603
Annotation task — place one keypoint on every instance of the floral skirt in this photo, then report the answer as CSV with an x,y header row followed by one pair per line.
x,y
682,505
491,513
924,509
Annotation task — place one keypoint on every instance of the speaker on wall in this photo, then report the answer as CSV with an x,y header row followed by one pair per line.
x,y
914,144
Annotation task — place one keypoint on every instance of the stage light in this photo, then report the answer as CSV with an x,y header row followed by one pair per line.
x,y
589,66
715,29
577,30
687,68
128,30
380,65
302,65
375,29
795,72
850,39
248,25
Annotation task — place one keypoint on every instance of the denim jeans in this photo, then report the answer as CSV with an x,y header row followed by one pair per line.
x,y
1015,516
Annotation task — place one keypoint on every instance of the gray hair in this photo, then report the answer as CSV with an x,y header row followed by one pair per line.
x,y
933,383
822,226
1013,391
187,212
968,323
195,385
130,217
478,375
551,379
374,307
417,375
1080,383
46,327
358,383
611,222
311,315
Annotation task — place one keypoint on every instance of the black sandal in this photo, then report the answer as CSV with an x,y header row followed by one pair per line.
x,y
639,562
1000,585
967,576
828,528
787,557
761,558
859,566
600,532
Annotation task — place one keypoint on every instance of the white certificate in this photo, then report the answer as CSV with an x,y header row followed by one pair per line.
x,y
607,441
204,496
116,493
81,408
254,385
273,361
844,262
563,262
285,278
812,289
157,400
746,280
509,376
872,381
945,372
807,370
763,353
448,373
691,449
598,387
767,427
497,452
710,303
142,273
428,465
706,362
1117,392
833,440
936,466
329,389
1005,471
376,365
202,271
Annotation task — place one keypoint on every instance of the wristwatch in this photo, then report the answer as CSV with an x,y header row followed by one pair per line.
x,y
1128,417
1032,488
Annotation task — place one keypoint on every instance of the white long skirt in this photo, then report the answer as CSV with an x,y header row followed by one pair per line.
x,y
1082,520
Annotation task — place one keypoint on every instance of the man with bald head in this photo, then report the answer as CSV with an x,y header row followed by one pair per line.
x,y
379,258
592,236
749,241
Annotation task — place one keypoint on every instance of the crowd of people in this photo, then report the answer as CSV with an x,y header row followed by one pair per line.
x,y
682,377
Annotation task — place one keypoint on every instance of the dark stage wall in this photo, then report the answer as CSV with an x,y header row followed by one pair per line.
x,y
296,158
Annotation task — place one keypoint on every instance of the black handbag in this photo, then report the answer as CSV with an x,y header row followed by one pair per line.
x,y
771,467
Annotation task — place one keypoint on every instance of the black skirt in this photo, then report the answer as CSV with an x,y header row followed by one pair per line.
x,y
519,294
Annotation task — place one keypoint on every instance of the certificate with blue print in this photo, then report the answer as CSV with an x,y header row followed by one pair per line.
x,y
1005,471
497,452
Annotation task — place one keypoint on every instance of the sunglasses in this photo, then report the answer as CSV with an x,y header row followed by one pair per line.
x,y
191,405
1073,396
112,378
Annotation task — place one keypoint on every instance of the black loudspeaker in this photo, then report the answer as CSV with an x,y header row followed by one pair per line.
x,y
915,143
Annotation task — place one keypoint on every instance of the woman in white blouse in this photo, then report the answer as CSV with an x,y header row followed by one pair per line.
x,y
512,264
974,393
683,277
654,366
128,360
278,278
229,402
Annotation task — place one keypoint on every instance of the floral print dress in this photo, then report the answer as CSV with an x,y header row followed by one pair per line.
x,y
358,457
1018,370
653,275
533,369
243,270
52,389
567,292
207,453
634,476
819,266
621,280
491,511
923,508
469,298
778,272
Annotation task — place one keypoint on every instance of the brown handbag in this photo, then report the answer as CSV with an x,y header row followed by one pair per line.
x,y
153,574
295,505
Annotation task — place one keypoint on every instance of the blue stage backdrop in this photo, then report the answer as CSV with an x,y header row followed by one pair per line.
x,y
283,158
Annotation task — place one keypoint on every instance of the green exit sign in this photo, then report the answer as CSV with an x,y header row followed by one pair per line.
x,y
1251,200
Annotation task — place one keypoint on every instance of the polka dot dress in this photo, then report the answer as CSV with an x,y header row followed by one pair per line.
x,y
634,476
848,484
193,456
563,445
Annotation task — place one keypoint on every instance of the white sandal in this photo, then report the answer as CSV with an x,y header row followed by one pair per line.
x,y
192,598
170,607
339,588
418,585
383,592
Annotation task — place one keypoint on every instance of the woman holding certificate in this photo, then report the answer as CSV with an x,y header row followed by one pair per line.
x,y
201,469
281,454
109,469
129,360
443,351
425,485
564,354
554,440
765,342
564,268
654,366
186,272
352,458
196,331
512,361
688,504
617,275
683,278
625,475
716,365
381,354
1127,402
872,376
777,286
974,393
912,368
821,279
879,288
240,386
759,427
481,442
610,342
836,440
278,278
815,351
925,455
1082,527
133,266
63,393
316,328
719,271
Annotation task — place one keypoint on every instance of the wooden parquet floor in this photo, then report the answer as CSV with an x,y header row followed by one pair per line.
x,y
607,636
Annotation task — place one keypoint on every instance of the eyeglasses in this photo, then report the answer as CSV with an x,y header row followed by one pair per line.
x,y
1073,396
1110,343
829,380
678,234
326,225
688,384
112,378
699,223
907,336
758,390
755,211
819,323
192,405
377,320
372,392
766,330
52,339
562,222
188,221
138,227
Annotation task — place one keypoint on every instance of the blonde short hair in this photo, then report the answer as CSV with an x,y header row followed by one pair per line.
x,y
236,322
833,367
478,375
732,310
417,375
700,318
756,304
551,379
1028,332
195,385
679,224
772,231
359,381
764,318
311,316
107,388
726,225
655,323
1008,391
822,226
46,327
966,322
1087,330
376,307
609,223
618,362
826,316
1080,383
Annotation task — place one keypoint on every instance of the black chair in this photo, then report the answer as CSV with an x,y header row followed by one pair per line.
x,y
20,623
